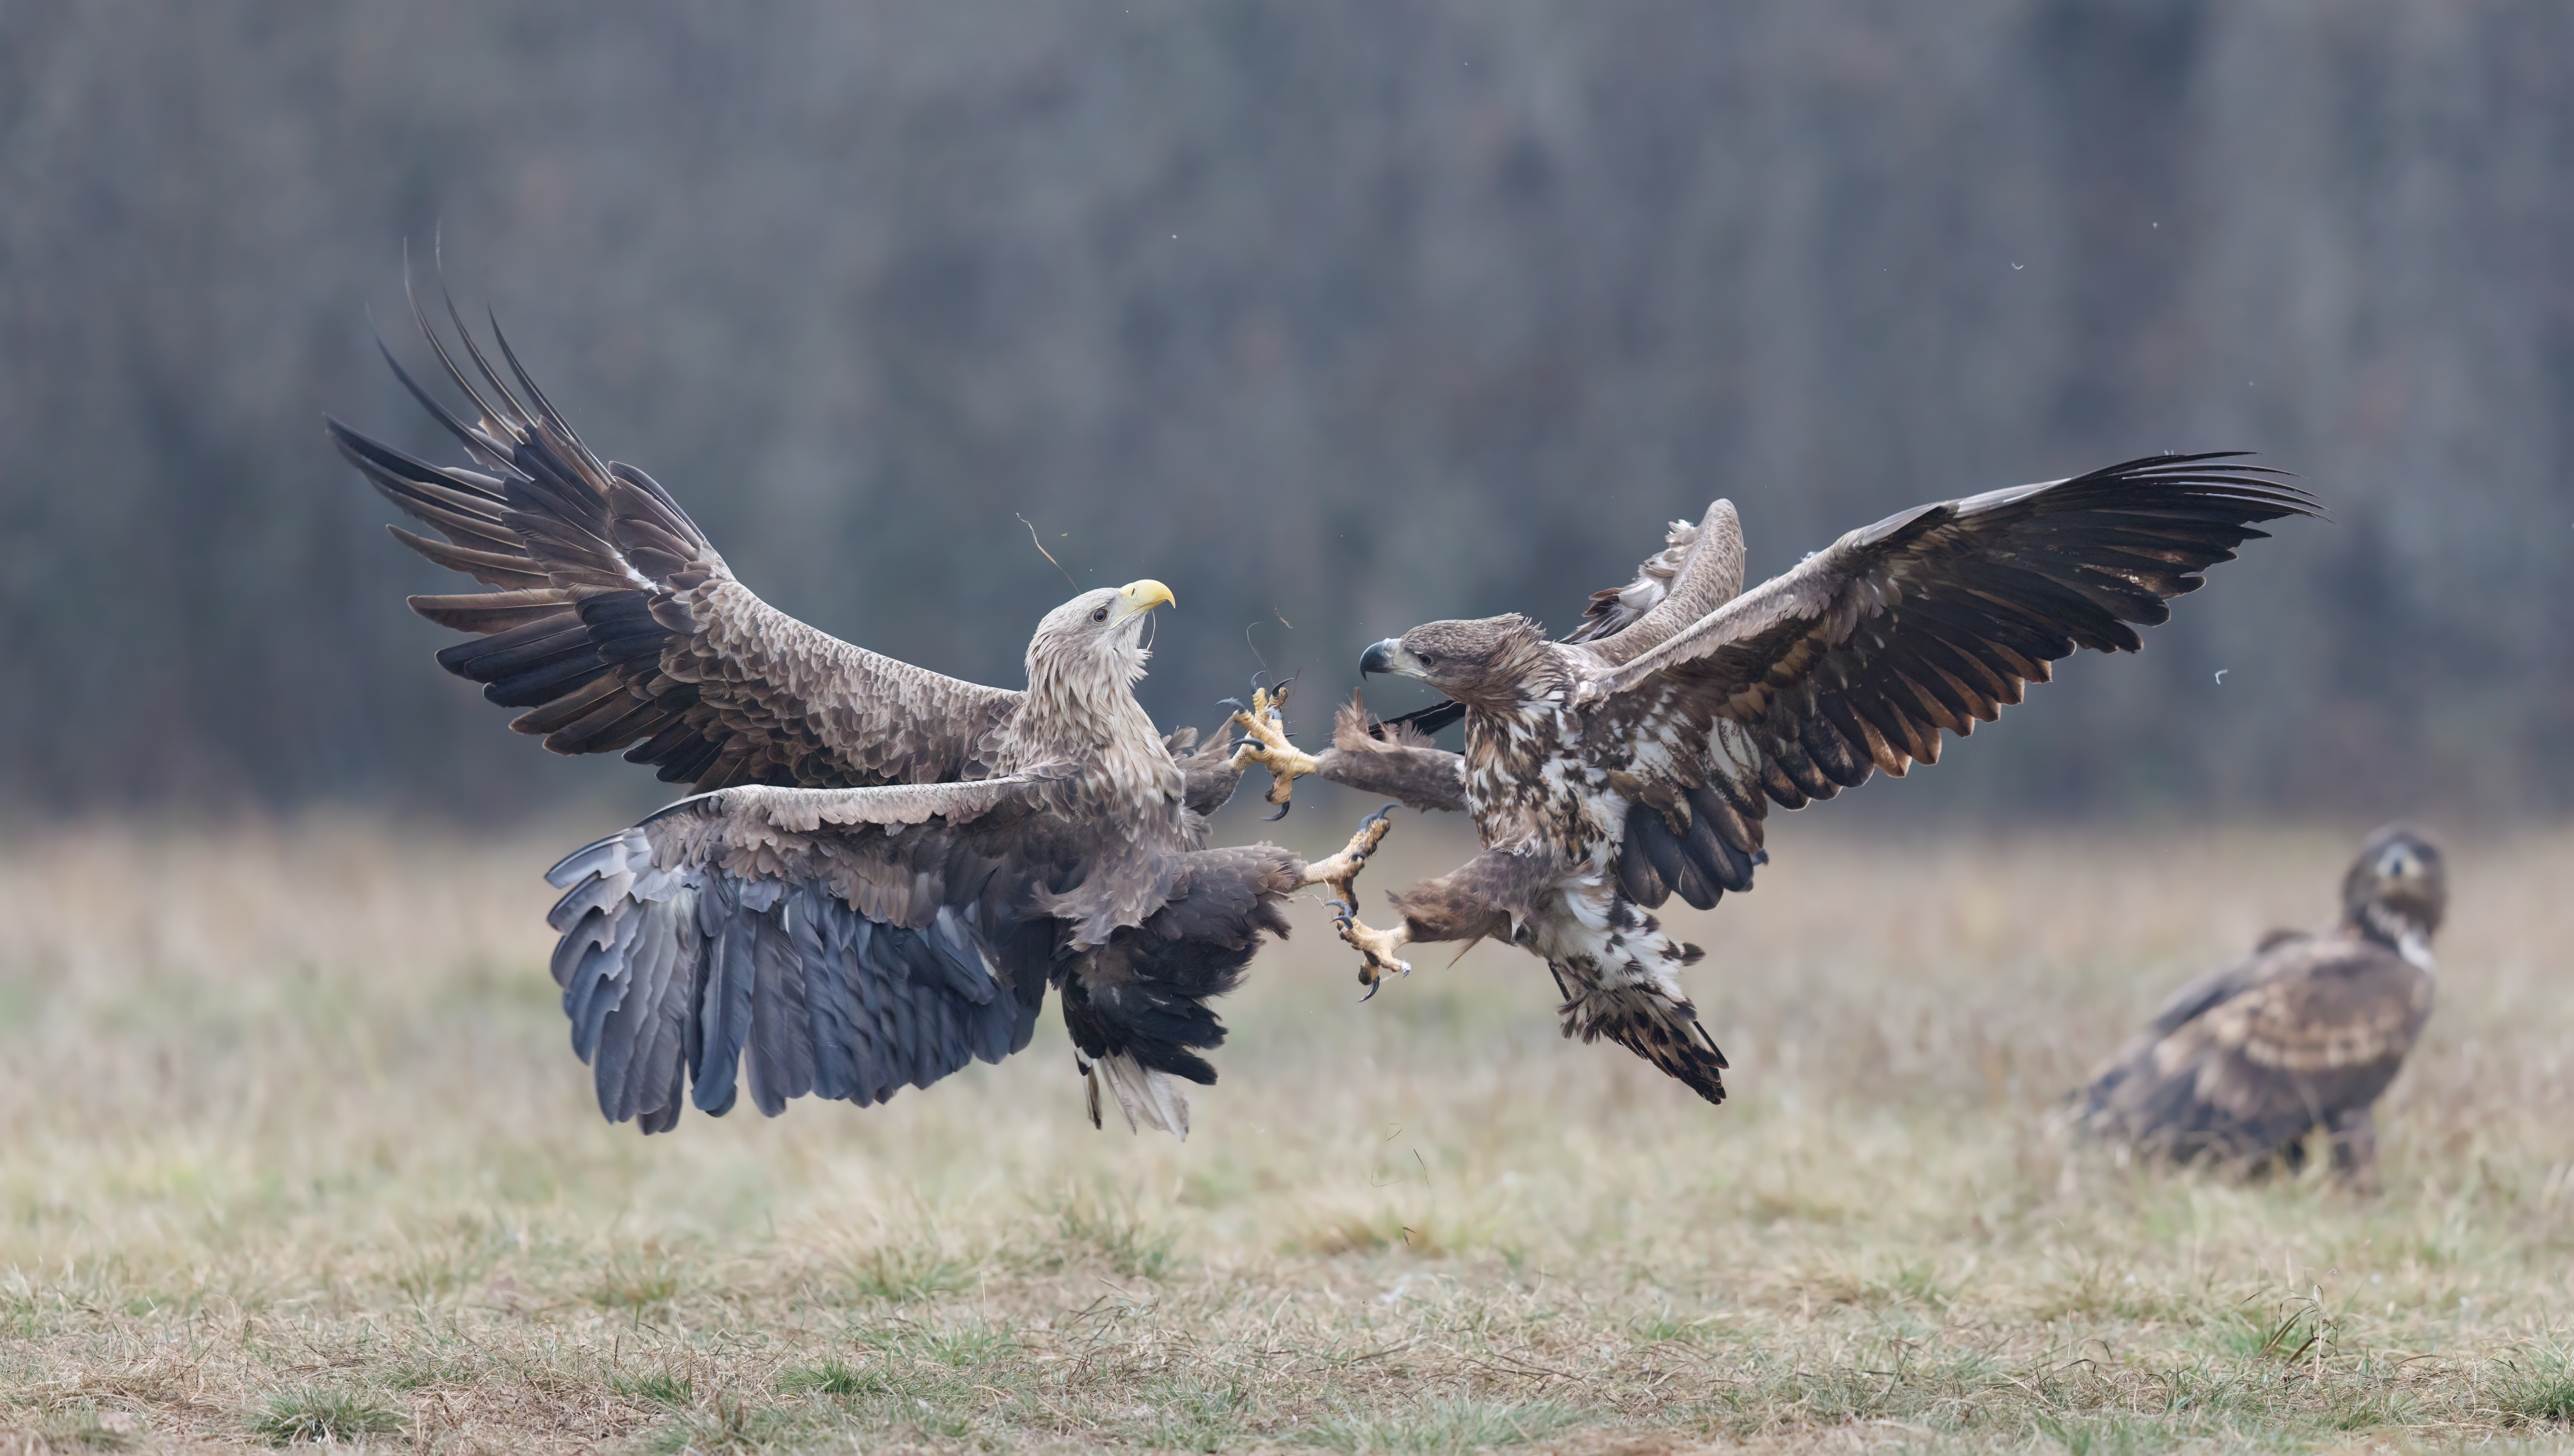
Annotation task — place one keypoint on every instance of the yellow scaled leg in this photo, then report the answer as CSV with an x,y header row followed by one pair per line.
x,y
1340,874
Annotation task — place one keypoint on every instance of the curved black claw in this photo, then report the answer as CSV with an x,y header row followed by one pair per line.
x,y
1282,813
1342,912
1233,702
1372,984
1378,818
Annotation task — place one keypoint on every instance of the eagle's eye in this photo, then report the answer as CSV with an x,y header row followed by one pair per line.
x,y
1099,613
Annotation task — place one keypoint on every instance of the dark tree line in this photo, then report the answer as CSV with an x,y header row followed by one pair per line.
x,y
1339,314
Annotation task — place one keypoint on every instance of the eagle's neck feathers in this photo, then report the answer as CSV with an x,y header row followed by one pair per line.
x,y
2387,924
1082,707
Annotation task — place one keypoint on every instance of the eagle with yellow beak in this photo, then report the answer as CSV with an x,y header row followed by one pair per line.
x,y
883,870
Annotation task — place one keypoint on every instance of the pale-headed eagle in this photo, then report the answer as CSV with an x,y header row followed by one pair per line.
x,y
883,869
2241,1065
1637,759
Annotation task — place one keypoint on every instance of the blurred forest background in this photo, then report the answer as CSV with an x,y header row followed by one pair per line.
x,y
1338,315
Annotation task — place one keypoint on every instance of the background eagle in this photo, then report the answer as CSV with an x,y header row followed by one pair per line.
x,y
884,868
1637,759
2307,1032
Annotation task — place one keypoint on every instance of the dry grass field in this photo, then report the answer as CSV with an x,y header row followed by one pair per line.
x,y
295,1152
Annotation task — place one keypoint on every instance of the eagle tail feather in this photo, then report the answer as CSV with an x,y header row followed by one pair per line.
x,y
1147,1096
1662,1030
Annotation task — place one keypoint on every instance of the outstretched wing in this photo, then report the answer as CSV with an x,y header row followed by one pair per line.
x,y
842,942
1932,618
617,626
2246,1062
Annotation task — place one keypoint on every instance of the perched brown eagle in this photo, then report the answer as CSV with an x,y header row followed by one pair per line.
x,y
883,869
2241,1065
1637,759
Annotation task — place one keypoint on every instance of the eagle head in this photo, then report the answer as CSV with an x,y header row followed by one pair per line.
x,y
1491,663
2398,881
1097,637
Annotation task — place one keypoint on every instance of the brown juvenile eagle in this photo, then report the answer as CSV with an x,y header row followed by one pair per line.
x,y
1637,759
883,869
2241,1065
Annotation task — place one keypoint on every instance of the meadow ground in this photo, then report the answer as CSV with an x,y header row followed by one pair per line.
x,y
295,1152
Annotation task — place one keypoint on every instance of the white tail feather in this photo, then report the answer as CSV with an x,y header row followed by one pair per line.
x,y
1148,1099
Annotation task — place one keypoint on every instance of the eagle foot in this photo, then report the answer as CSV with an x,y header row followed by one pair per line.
x,y
1341,872
1265,744
1376,947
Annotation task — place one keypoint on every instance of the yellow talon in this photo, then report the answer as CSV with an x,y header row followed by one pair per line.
x,y
1265,744
1340,874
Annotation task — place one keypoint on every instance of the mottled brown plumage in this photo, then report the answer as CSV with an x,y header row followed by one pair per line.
x,y
1637,759
2243,1063
1396,761
884,868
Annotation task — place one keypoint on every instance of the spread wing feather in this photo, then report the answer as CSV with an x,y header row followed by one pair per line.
x,y
843,943
617,626
1932,620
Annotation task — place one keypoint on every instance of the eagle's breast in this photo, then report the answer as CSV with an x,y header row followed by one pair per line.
x,y
1528,785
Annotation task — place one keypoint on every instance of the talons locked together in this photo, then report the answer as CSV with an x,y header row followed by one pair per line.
x,y
1341,875
1265,744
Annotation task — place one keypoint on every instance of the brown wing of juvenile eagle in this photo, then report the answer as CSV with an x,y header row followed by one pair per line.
x,y
1932,619
2242,1063
616,625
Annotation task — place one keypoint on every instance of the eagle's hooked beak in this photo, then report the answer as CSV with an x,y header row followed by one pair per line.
x,y
1143,596
1389,657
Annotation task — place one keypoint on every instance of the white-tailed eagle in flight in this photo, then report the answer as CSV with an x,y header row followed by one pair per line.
x,y
1637,759
2241,1065
883,870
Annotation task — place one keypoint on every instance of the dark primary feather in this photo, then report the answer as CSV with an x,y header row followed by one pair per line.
x,y
620,628
1423,721
1930,621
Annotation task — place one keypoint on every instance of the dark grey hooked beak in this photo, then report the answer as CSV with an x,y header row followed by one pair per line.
x,y
1380,658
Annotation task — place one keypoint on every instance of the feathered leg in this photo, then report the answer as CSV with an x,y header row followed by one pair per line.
x,y
2355,1147
1620,975
1137,1007
1487,896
